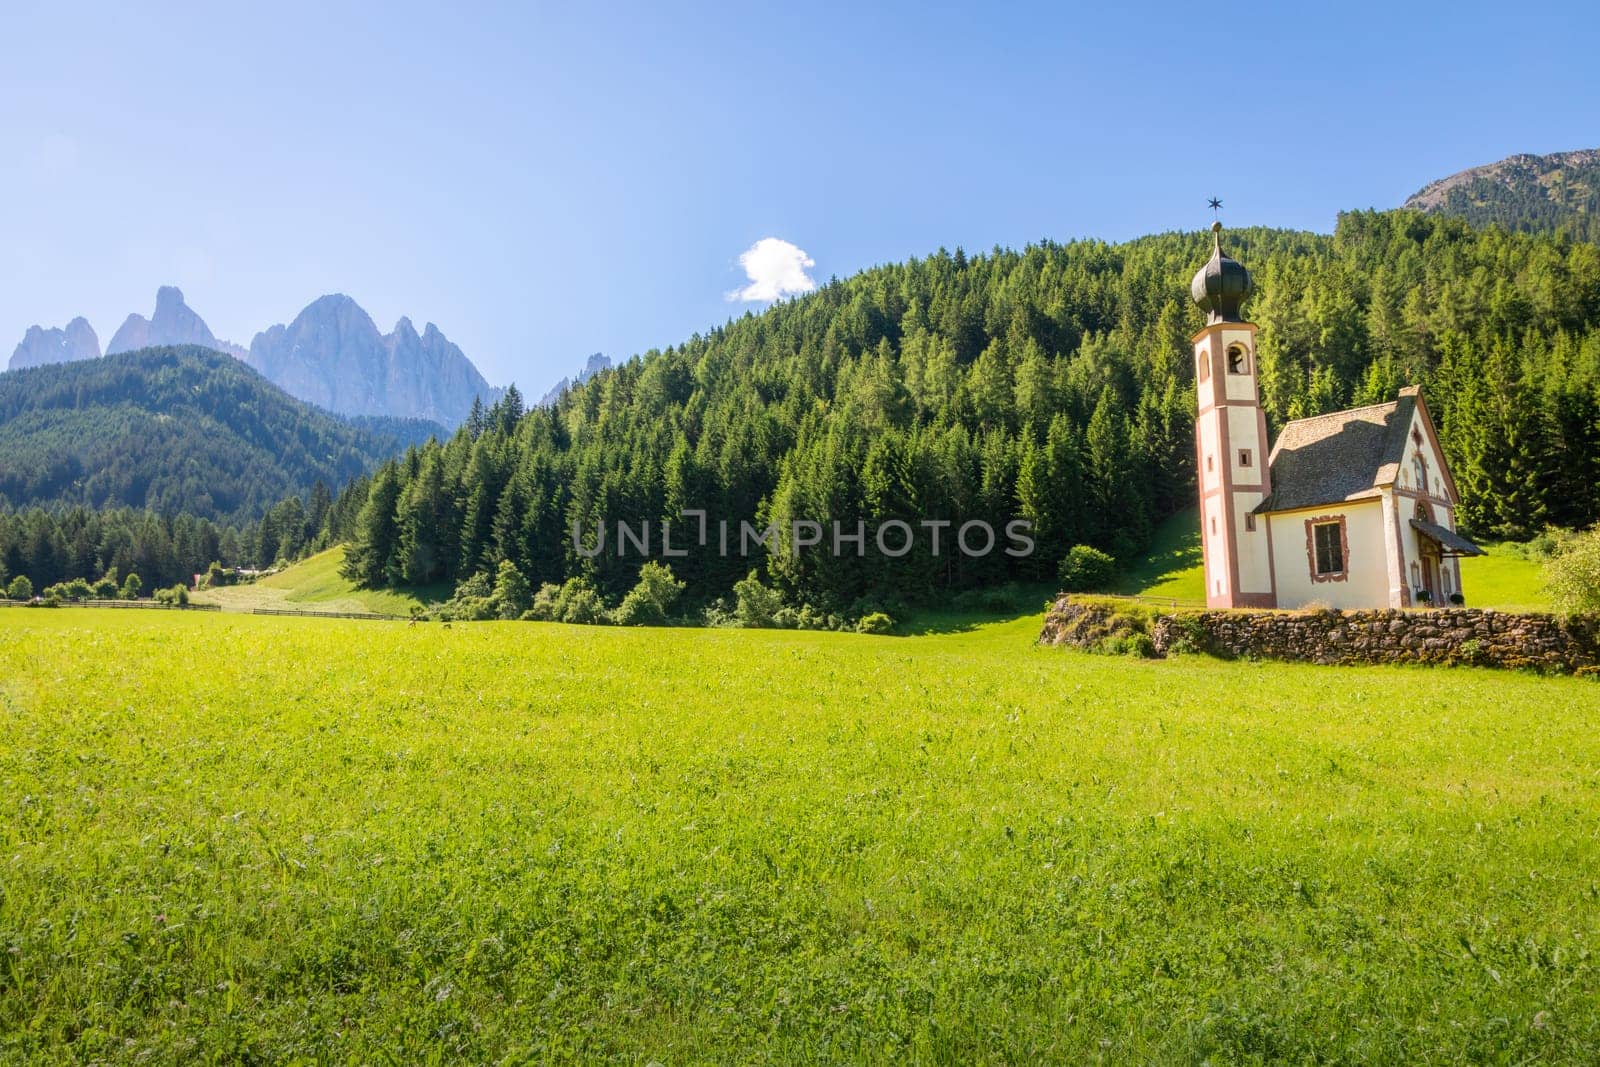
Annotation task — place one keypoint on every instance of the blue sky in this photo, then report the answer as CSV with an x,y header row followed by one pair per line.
x,y
546,181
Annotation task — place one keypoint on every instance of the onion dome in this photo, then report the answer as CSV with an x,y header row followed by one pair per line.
x,y
1221,285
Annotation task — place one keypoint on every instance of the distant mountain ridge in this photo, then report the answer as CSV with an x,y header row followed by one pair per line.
x,y
331,355
596,363
177,429
1556,193
41,346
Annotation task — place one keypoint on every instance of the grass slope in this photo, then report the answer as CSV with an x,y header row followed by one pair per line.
x,y
368,842
1172,567
315,584
1505,581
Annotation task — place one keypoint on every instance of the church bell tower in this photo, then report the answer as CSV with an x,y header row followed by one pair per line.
x,y
1230,440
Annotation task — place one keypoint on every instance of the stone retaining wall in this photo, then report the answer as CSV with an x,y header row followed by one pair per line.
x,y
1466,636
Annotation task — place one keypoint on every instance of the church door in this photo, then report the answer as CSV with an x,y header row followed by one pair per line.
x,y
1430,574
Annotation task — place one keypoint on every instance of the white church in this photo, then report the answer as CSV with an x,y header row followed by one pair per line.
x,y
1354,509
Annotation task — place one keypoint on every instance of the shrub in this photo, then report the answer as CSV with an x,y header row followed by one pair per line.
x,y
472,600
20,588
106,587
1572,575
131,585
512,595
719,613
1140,645
217,575
876,623
806,617
650,601
175,596
758,606
543,608
1086,569
76,589
579,602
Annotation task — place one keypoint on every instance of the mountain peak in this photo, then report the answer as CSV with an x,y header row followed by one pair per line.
x,y
333,356
1524,192
40,346
169,299
173,323
597,362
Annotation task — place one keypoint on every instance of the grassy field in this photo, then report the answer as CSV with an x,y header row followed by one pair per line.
x,y
232,838
314,584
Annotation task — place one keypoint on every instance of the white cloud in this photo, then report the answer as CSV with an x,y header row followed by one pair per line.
x,y
776,269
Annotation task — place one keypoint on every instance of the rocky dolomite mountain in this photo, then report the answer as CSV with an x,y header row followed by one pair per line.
x,y
333,355
595,364
41,346
174,323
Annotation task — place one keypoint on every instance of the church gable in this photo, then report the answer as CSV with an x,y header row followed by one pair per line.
x,y
1421,466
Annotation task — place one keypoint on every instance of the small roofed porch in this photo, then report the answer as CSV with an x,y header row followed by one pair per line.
x,y
1436,544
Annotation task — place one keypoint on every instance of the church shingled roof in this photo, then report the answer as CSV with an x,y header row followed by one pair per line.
x,y
1341,456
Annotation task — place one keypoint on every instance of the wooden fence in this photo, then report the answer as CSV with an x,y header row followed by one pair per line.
x,y
147,605
331,614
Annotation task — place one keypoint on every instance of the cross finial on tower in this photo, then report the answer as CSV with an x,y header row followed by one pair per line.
x,y
1216,207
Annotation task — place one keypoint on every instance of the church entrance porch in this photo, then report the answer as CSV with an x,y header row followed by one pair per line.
x,y
1430,573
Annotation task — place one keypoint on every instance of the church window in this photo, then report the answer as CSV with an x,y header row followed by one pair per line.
x,y
1421,474
1213,526
1238,360
1244,457
1328,549
1205,365
1208,463
1249,522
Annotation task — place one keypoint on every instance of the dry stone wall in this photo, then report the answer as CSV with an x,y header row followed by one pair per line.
x,y
1462,636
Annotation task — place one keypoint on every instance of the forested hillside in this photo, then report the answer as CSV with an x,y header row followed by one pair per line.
x,y
176,430
1554,194
1053,384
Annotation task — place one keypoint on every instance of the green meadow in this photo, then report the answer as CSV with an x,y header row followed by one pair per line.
x,y
229,838
315,584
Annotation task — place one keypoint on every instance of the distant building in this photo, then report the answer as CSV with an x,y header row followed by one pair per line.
x,y
1354,509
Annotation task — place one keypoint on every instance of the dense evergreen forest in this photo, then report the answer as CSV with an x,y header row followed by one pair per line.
x,y
51,545
1054,384
176,431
